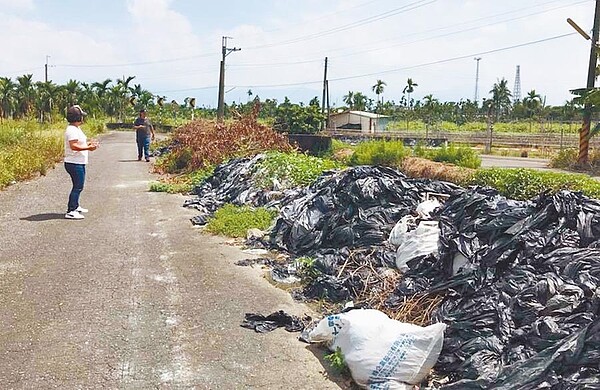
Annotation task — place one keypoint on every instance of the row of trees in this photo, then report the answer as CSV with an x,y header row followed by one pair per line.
x,y
25,98
499,105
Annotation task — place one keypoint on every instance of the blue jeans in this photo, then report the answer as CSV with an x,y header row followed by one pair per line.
x,y
77,173
143,144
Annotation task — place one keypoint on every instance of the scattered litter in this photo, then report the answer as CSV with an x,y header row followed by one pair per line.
x,y
279,319
252,262
516,282
255,251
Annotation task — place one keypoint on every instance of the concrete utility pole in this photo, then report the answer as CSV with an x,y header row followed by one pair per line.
x,y
225,52
584,135
477,79
46,69
323,125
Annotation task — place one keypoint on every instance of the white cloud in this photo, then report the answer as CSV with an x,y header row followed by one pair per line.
x,y
392,49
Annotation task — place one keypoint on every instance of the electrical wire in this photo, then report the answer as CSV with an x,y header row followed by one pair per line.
x,y
137,63
371,19
388,71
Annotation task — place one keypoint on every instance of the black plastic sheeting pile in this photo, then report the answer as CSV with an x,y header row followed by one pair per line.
x,y
343,221
523,311
357,207
520,280
234,182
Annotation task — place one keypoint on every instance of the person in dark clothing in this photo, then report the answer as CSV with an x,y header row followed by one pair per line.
x,y
144,131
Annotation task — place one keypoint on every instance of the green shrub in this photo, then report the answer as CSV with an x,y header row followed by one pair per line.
x,y
524,183
336,359
388,153
564,159
234,221
307,270
291,169
462,156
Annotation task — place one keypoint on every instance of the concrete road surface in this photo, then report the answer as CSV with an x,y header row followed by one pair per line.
x,y
488,161
133,297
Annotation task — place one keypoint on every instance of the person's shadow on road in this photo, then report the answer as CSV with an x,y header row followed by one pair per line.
x,y
43,217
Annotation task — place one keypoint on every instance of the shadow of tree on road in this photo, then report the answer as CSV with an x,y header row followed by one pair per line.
x,y
43,217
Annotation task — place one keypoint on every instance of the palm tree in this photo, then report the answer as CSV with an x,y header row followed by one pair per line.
x,y
378,89
360,101
532,103
25,94
72,91
501,95
47,94
349,99
410,88
101,89
7,97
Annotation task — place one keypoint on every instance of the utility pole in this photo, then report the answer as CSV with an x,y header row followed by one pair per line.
x,y
477,79
584,135
46,69
225,52
323,125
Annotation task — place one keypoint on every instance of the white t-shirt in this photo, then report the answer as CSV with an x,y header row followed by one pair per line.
x,y
73,156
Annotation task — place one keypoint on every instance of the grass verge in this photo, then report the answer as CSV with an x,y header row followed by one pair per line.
x,y
234,221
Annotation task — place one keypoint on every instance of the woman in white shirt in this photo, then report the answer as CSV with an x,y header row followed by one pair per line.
x,y
76,158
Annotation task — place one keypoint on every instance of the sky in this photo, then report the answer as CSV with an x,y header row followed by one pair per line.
x,y
173,47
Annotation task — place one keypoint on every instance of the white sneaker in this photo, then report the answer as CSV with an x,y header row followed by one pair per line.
x,y
74,215
81,210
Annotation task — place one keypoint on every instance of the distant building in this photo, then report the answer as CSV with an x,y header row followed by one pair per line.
x,y
358,120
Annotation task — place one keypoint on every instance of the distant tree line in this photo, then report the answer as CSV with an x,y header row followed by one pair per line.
x,y
116,99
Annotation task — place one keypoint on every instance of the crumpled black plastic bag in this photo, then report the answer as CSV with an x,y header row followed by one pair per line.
x,y
278,319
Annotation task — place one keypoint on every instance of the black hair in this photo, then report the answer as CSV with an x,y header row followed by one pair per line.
x,y
74,114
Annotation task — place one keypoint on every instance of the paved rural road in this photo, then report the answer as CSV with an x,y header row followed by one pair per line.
x,y
488,161
133,297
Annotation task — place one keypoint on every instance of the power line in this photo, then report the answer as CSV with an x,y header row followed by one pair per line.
x,y
405,8
429,38
456,32
371,19
321,17
137,63
395,69
457,58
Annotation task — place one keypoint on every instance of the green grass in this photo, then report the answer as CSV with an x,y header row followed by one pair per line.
x,y
28,148
462,156
388,153
234,221
518,127
291,169
525,184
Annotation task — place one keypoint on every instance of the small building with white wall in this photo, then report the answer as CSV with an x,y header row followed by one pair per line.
x,y
363,121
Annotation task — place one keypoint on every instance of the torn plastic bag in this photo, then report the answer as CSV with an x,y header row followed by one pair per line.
x,y
278,319
421,241
381,352
425,209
